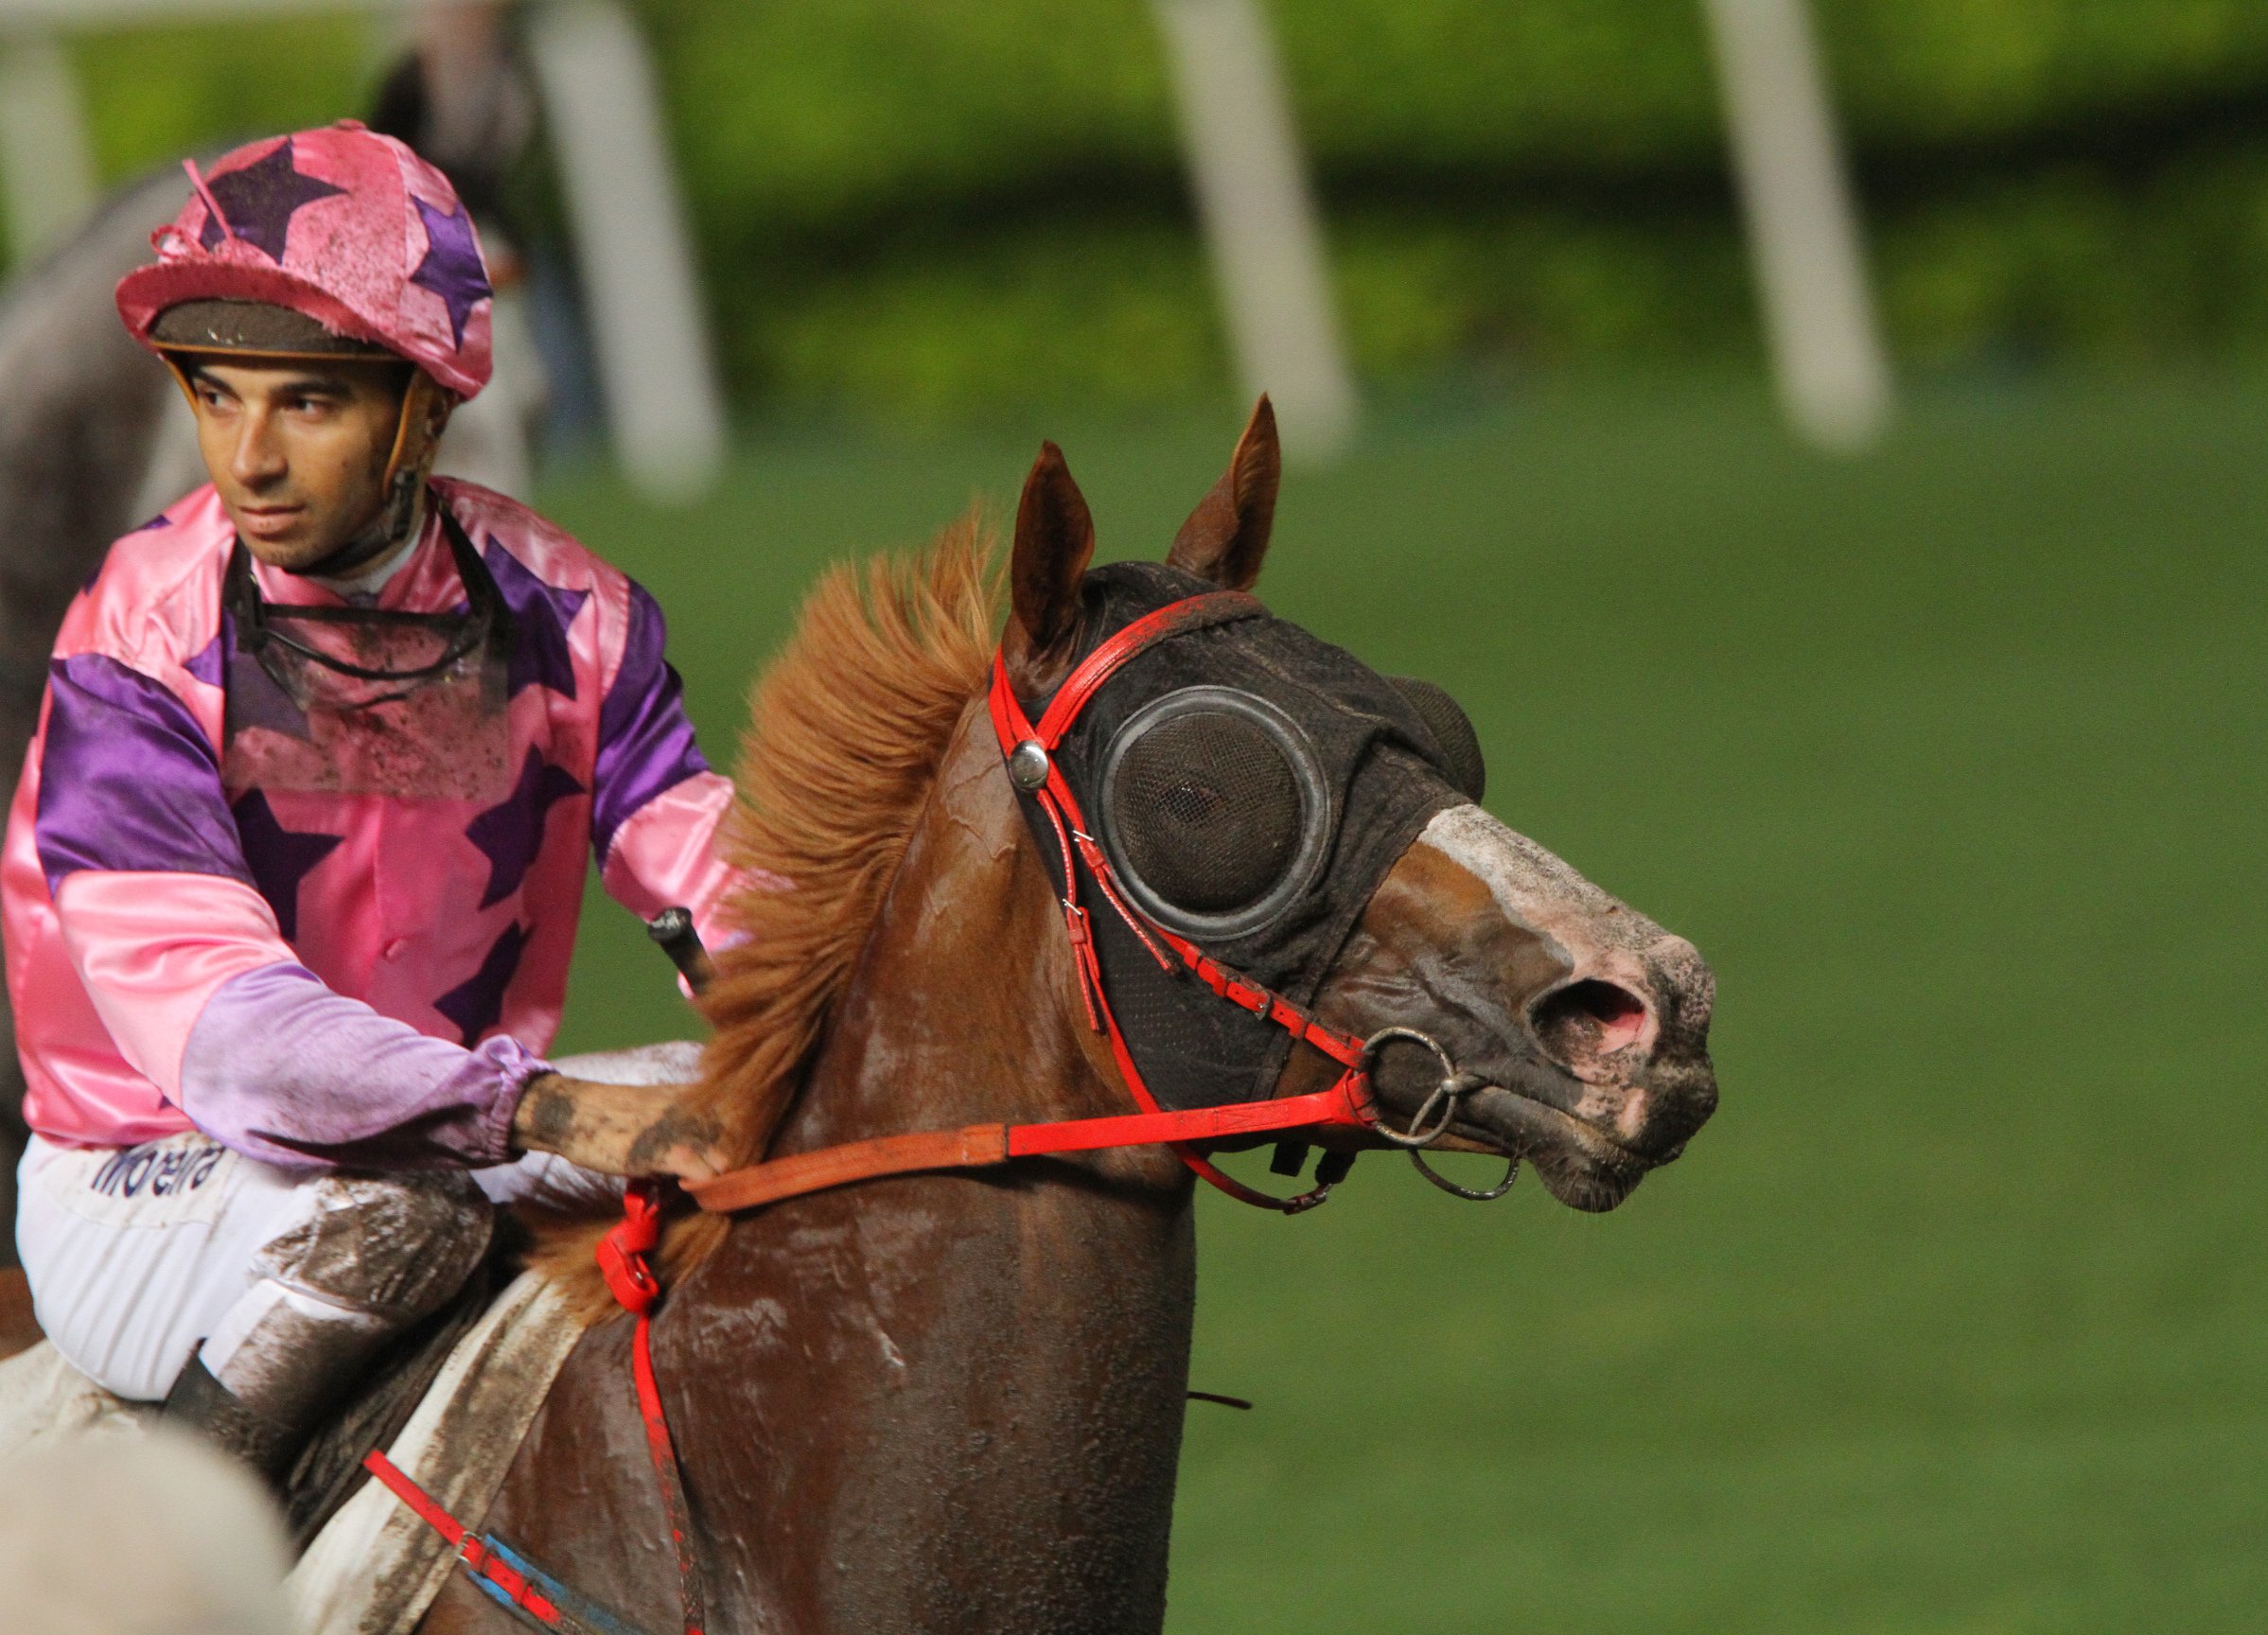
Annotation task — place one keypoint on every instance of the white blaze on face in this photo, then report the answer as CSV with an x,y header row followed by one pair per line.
x,y
1531,884
1600,940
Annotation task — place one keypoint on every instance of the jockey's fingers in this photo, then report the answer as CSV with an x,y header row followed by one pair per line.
x,y
702,1163
679,1139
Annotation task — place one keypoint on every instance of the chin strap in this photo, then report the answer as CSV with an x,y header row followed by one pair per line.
x,y
404,484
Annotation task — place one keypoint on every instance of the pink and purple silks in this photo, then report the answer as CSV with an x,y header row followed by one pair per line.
x,y
331,975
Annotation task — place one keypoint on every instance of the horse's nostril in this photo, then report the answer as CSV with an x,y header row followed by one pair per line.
x,y
1589,1019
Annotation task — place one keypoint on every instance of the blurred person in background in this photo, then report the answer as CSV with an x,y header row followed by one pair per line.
x,y
292,878
137,1535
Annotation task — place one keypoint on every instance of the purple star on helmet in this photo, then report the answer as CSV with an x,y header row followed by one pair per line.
x,y
452,268
259,199
511,832
541,616
477,1004
278,857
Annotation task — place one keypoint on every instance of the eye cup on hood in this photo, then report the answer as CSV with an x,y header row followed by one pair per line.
x,y
1214,810
1452,733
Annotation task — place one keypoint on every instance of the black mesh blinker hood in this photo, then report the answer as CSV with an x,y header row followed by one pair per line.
x,y
1381,779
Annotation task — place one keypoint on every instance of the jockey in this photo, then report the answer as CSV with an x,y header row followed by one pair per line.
x,y
291,880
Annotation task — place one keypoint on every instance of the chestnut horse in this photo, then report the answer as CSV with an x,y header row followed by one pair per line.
x,y
954,1401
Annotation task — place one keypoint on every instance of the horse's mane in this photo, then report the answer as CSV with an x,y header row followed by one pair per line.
x,y
846,729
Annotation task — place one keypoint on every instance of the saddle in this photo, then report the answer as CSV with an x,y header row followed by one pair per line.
x,y
329,1468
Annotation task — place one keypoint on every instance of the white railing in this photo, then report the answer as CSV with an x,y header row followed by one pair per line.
x,y
1247,170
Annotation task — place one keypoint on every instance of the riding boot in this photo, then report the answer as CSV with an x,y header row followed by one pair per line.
x,y
200,1403
372,1255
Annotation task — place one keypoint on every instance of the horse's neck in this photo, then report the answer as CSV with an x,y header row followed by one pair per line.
x,y
964,1007
969,1371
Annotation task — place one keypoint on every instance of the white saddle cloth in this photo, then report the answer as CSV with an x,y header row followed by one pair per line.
x,y
376,1567
41,1397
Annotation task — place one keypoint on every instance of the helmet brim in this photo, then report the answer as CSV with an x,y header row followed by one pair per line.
x,y
146,292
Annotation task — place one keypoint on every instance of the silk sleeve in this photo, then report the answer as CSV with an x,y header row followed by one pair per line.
x,y
656,806
185,965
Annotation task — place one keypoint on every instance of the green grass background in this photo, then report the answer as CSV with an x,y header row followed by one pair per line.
x,y
1951,759
939,214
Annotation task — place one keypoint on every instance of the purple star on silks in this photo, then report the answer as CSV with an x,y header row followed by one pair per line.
x,y
254,699
541,616
278,857
511,834
476,1004
207,661
452,268
259,200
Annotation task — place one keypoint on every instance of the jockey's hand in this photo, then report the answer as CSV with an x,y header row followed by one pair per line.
x,y
634,1130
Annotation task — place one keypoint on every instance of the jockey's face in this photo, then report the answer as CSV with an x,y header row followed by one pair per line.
x,y
297,451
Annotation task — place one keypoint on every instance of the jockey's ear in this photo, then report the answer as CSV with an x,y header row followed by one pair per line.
x,y
1055,537
1227,534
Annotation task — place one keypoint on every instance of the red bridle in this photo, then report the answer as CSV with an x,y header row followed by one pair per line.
x,y
622,1257
1029,748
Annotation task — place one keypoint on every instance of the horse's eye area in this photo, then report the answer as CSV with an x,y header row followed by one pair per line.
x,y
1206,809
1452,731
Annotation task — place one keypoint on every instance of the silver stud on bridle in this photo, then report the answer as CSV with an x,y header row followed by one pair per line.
x,y
1027,765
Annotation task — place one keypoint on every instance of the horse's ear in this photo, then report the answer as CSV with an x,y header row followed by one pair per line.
x,y
1055,535
1227,534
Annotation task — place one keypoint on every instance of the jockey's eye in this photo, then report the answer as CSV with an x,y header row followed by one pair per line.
x,y
1213,809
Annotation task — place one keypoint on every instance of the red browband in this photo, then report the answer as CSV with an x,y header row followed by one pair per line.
x,y
1346,1104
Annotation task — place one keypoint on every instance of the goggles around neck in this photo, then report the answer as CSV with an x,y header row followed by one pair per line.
x,y
408,649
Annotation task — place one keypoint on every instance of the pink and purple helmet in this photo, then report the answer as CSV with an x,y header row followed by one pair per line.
x,y
340,225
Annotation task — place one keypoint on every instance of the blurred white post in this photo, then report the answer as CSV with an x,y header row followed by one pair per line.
x,y
1259,218
1819,311
649,331
44,163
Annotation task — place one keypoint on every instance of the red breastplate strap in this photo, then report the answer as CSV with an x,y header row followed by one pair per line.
x,y
1346,1103
622,1256
512,1579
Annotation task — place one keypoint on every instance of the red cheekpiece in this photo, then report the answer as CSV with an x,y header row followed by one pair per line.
x,y
345,226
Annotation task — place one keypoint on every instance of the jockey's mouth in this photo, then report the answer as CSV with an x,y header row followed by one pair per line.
x,y
269,521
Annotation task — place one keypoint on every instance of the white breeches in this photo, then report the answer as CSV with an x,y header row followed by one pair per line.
x,y
138,1256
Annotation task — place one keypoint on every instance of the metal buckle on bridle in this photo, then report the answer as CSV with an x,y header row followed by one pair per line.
x,y
1454,1086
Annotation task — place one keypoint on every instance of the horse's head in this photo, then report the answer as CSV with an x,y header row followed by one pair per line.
x,y
1315,826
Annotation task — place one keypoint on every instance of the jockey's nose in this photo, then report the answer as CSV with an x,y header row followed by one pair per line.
x,y
256,458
